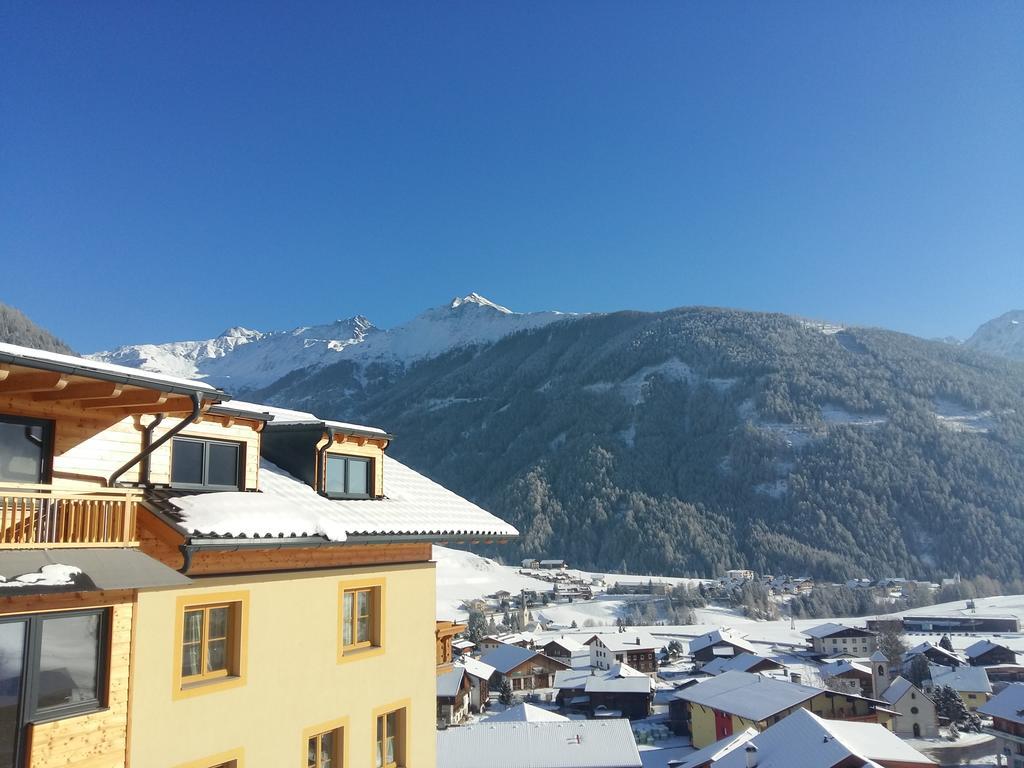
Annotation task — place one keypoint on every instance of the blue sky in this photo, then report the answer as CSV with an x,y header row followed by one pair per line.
x,y
167,170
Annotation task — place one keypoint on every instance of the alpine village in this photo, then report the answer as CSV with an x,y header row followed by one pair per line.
x,y
196,581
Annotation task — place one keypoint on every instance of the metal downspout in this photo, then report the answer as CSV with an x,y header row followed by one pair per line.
x,y
152,447
147,440
321,465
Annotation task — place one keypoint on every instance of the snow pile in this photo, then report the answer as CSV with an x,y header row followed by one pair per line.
x,y
55,575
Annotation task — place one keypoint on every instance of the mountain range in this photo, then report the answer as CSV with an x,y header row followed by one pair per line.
x,y
680,442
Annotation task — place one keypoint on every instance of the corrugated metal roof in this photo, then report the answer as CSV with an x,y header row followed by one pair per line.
x,y
568,744
507,657
286,507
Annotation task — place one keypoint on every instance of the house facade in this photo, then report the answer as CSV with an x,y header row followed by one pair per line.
x,y
840,640
917,715
525,669
638,650
1007,713
185,584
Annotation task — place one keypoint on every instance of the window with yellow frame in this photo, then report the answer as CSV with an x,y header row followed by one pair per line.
x,y
324,750
390,752
210,637
361,619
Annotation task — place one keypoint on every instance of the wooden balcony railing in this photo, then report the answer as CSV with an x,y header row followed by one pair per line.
x,y
44,516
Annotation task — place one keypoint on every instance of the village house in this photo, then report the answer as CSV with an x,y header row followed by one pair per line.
x,y
479,676
543,744
740,574
1007,712
493,642
453,691
463,646
524,668
568,651
985,653
848,675
917,715
733,701
803,739
531,563
833,639
722,643
620,691
744,662
637,649
971,683
146,528
553,565
935,654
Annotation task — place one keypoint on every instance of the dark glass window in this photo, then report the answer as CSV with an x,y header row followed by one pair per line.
x,y
348,477
68,660
24,450
206,463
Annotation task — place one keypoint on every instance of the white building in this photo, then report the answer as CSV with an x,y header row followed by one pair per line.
x,y
918,718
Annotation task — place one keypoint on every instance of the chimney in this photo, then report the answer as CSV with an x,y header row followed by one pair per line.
x,y
751,751
795,677
673,764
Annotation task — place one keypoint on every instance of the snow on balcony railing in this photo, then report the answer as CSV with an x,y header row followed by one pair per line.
x,y
33,515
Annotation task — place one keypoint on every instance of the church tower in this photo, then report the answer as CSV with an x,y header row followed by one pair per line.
x,y
879,673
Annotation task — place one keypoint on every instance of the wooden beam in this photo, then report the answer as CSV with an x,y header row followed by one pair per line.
x,y
89,390
170,405
33,382
128,399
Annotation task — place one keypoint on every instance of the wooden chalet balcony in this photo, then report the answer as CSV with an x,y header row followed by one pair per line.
x,y
40,516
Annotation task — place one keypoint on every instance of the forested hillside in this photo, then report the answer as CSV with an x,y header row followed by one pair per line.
x,y
16,328
694,440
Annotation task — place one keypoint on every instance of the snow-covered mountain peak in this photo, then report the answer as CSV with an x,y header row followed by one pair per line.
x,y
242,359
1002,336
478,300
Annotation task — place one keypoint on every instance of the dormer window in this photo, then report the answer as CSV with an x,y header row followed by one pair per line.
x,y
348,477
212,464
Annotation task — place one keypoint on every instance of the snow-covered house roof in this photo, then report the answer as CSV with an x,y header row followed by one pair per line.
x,y
933,650
527,713
83,366
899,688
476,668
831,628
751,696
623,642
878,657
567,644
719,749
505,658
621,678
1008,704
804,740
742,662
561,744
285,507
844,667
286,416
450,682
721,636
982,647
966,679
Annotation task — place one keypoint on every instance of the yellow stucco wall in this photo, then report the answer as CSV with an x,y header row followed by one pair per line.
x,y
293,678
702,725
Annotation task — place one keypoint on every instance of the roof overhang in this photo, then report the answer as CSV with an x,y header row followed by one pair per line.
x,y
101,569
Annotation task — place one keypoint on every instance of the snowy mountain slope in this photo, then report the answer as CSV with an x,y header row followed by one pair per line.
x,y
1002,336
242,360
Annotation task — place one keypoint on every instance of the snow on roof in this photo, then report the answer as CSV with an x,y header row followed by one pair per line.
x,y
898,688
719,749
752,696
287,507
621,678
724,635
450,682
568,744
980,648
476,668
1008,704
567,643
619,642
831,628
878,656
288,416
968,679
28,356
804,740
844,667
527,713
505,658
742,662
927,647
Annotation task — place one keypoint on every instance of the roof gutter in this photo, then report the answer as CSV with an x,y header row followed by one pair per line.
x,y
119,378
197,405
426,537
